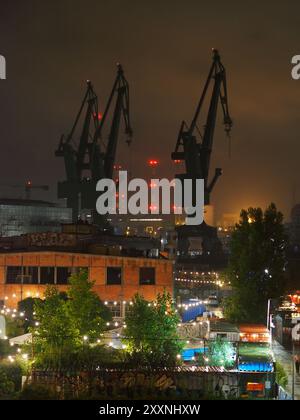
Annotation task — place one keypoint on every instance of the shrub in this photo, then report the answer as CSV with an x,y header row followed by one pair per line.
x,y
14,372
281,376
7,387
37,392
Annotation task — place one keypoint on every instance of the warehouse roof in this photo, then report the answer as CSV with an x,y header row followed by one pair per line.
x,y
223,326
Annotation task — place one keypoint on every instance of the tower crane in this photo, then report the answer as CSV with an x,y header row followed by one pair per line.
x,y
27,187
196,152
93,158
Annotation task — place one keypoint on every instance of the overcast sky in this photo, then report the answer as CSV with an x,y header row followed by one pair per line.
x,y
52,47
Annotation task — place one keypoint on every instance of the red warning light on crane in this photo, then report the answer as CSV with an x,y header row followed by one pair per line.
x,y
153,162
97,116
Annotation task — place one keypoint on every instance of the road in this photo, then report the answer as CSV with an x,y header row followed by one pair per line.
x,y
284,357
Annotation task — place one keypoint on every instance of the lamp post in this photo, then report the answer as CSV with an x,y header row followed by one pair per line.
x,y
269,321
295,339
293,371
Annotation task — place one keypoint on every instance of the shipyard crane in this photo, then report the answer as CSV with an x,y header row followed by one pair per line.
x,y
92,158
193,147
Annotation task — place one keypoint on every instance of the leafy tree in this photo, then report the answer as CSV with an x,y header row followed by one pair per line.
x,y
219,353
86,310
257,264
27,307
151,331
55,333
65,322
14,327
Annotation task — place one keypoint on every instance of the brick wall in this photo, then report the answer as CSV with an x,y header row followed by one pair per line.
x,y
97,271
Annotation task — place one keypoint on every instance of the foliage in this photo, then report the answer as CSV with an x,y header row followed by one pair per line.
x,y
67,325
281,375
219,353
86,310
257,264
55,333
14,327
4,348
14,372
151,331
27,307
37,392
83,358
6,384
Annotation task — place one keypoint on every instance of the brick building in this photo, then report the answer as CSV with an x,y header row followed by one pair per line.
x,y
117,278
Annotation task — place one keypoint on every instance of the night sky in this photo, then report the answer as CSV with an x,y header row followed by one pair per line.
x,y
52,47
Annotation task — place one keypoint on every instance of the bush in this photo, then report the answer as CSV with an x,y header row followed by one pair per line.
x,y
7,386
14,327
5,348
37,392
281,376
14,372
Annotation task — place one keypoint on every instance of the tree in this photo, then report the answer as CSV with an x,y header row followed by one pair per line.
x,y
151,331
27,307
257,264
86,310
63,323
55,333
219,353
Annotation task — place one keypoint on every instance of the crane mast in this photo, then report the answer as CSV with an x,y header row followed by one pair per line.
x,y
93,158
197,154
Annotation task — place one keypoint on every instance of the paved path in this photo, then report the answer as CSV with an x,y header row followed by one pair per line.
x,y
284,357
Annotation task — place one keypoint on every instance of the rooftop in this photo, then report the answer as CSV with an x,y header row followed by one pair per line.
x,y
23,202
223,326
253,329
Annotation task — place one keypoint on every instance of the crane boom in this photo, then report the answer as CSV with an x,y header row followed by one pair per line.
x,y
27,187
93,158
197,155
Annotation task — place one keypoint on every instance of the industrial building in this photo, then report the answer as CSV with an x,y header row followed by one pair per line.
x,y
120,266
117,279
19,216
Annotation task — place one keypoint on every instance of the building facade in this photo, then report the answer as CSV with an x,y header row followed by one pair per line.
x,y
117,279
18,217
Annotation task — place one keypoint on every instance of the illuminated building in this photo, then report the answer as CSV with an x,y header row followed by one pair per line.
x,y
117,279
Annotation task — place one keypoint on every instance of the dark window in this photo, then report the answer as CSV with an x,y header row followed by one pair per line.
x,y
77,270
113,276
62,275
47,275
30,275
147,275
13,275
